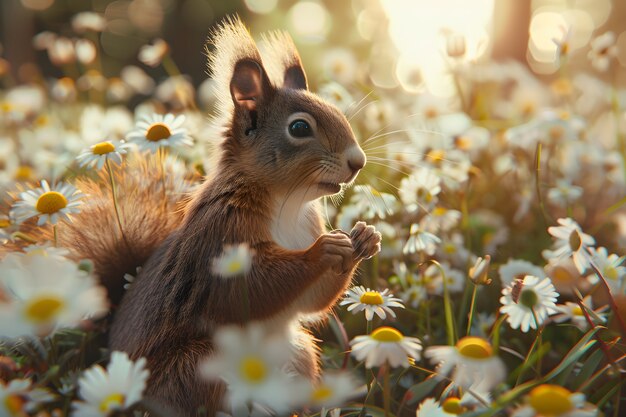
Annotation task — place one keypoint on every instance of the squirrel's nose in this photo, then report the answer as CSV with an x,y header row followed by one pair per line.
x,y
356,158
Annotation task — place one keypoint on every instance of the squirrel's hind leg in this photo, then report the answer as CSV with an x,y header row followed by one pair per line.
x,y
305,360
175,385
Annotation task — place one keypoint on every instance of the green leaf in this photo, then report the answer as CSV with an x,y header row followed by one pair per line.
x,y
575,353
421,390
590,366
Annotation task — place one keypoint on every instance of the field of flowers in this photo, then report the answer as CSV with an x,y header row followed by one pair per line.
x,y
499,289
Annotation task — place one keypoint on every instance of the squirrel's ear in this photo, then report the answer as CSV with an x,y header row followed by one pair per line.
x,y
235,65
247,84
283,61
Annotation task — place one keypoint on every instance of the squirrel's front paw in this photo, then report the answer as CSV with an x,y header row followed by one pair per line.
x,y
365,240
334,250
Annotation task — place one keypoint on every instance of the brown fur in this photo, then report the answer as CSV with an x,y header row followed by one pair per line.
x,y
146,221
261,193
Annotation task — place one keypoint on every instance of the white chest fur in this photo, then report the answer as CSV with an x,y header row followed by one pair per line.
x,y
295,222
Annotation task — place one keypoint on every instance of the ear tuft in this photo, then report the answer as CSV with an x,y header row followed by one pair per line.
x,y
282,61
235,66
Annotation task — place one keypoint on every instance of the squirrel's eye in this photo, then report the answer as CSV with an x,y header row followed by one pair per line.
x,y
300,129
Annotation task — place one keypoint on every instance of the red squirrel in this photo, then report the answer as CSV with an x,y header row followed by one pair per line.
x,y
282,149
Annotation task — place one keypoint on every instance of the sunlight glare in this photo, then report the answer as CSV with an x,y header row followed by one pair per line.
x,y
413,24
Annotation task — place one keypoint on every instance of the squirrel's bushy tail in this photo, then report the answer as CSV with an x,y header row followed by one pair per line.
x,y
148,214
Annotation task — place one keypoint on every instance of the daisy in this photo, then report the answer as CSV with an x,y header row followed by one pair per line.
x,y
574,313
564,194
48,203
517,268
470,363
570,241
414,295
440,219
433,279
372,202
88,21
563,45
431,408
235,260
555,401
340,64
386,345
137,79
480,271
253,366
482,324
336,94
44,291
612,269
603,50
18,398
333,390
117,388
156,131
359,299
86,51
97,155
528,302
152,55
420,190
420,241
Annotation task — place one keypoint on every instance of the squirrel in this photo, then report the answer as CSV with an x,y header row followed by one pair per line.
x,y
282,148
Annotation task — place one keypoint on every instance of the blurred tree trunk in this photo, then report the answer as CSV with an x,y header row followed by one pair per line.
x,y
510,29
16,34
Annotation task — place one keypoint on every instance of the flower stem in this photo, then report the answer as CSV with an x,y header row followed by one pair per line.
x,y
386,391
115,205
369,376
470,315
542,206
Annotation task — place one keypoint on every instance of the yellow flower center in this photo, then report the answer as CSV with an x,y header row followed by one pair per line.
x,y
23,173
550,400
474,347
371,298
453,405
439,211
321,394
42,120
436,155
14,403
112,402
387,334
158,131
4,223
577,311
51,202
235,266
562,86
449,248
44,308
610,272
103,148
463,142
560,274
431,113
253,369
